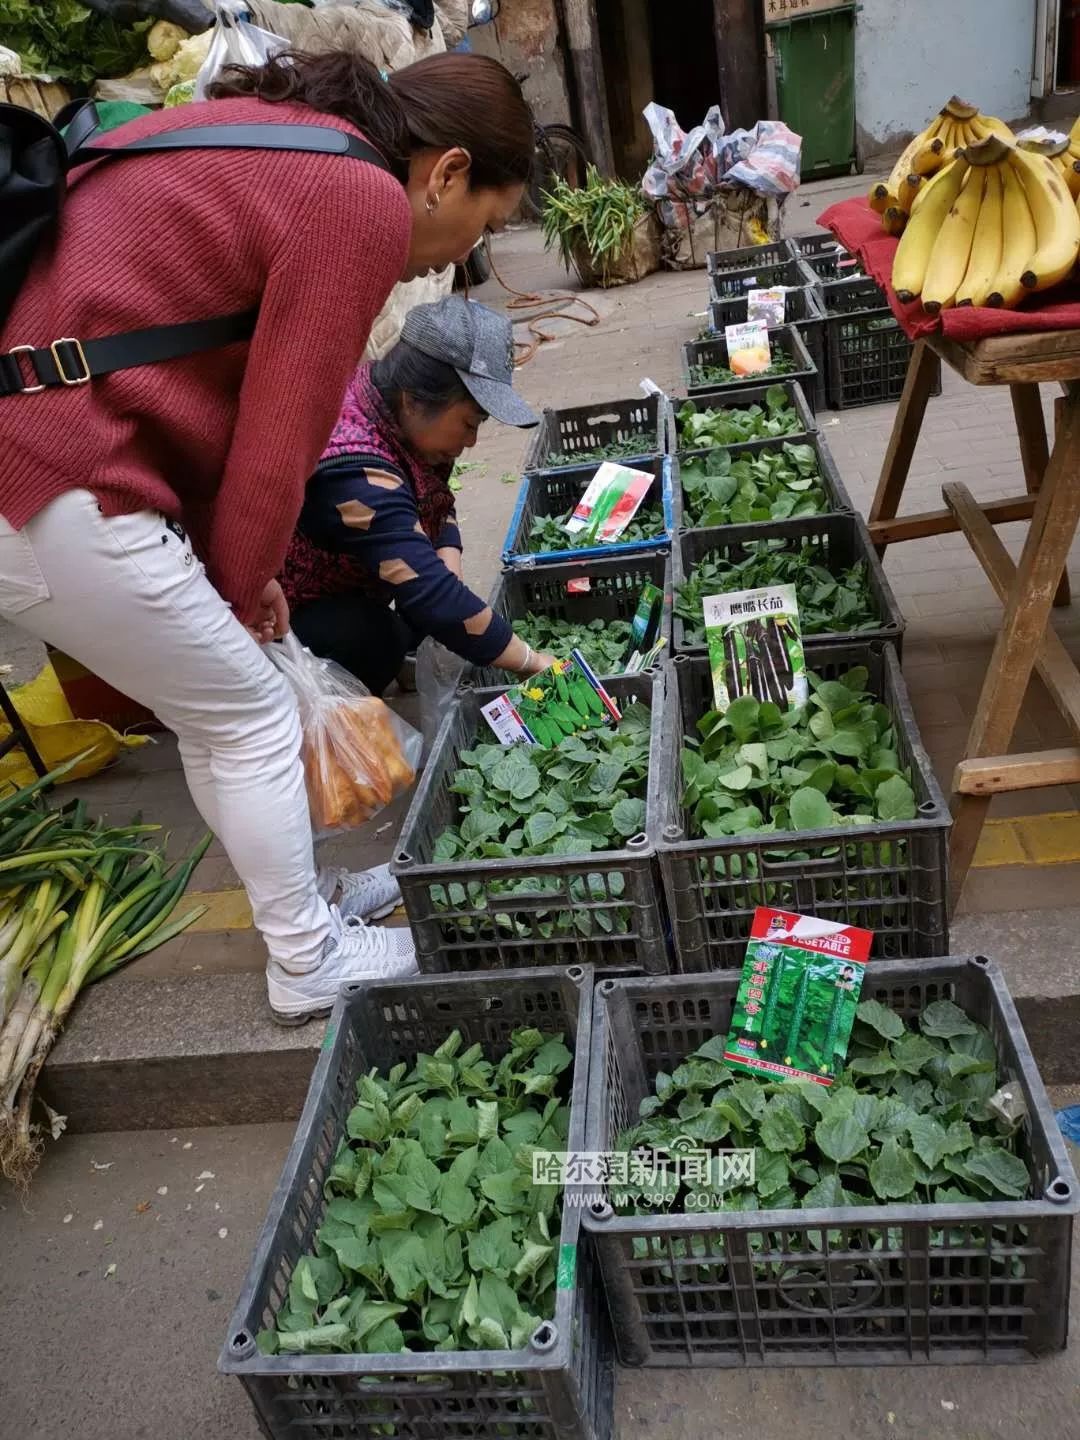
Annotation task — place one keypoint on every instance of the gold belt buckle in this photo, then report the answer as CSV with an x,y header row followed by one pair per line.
x,y
65,379
26,350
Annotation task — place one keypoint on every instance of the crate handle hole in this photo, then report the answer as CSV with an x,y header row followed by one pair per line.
x,y
545,1337
1059,1190
611,418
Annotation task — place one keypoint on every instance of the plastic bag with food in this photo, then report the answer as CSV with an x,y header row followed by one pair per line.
x,y
358,755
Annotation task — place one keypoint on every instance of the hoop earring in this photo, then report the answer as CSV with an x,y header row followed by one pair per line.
x,y
432,203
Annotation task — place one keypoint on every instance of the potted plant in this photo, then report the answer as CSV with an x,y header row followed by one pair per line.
x,y
606,231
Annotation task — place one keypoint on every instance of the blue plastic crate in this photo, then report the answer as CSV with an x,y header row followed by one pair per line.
x,y
553,492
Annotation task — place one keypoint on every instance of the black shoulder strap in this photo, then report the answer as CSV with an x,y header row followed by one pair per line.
x,y
70,361
316,139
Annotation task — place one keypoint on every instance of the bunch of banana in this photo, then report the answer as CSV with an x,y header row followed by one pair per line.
x,y
956,126
1056,148
994,224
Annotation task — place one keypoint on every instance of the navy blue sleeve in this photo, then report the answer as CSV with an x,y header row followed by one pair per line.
x,y
369,513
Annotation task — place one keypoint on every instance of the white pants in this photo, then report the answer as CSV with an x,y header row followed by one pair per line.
x,y
128,598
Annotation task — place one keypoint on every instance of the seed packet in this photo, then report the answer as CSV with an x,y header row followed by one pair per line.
x,y
646,642
613,498
755,646
797,997
546,708
768,306
748,350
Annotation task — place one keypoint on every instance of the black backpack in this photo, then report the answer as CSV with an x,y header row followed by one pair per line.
x,y
35,159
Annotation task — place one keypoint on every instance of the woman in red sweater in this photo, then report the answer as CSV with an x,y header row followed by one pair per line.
x,y
144,515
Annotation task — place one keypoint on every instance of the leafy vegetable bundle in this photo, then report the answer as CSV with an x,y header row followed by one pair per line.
x,y
705,374
585,794
435,1237
736,424
70,41
547,533
909,1120
832,762
785,484
635,445
828,602
604,643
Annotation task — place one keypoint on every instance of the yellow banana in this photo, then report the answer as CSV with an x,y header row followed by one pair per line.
x,y
949,257
1070,172
930,157
1018,242
1057,222
913,253
880,199
983,125
985,255
894,220
906,162
909,188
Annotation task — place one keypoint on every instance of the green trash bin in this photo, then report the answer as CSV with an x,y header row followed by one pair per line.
x,y
814,60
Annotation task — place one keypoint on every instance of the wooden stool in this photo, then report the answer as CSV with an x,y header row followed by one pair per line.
x,y
1026,640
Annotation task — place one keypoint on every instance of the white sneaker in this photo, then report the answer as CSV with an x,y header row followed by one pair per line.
x,y
354,951
365,894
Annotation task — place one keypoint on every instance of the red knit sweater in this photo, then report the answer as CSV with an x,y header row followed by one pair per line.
x,y
224,440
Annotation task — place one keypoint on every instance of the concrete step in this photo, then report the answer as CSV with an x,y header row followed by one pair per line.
x,y
201,1049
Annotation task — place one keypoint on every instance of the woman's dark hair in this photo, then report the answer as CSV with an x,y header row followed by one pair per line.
x,y
439,102
404,370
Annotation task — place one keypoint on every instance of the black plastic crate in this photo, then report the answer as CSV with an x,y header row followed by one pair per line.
x,y
826,258
802,308
742,400
555,492
775,252
842,539
615,586
715,352
889,877
895,1284
569,432
761,274
867,351
839,499
558,1388
603,907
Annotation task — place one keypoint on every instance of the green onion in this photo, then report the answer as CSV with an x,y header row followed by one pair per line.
x,y
77,901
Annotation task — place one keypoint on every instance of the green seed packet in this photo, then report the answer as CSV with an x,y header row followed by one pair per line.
x,y
646,642
797,997
755,646
547,708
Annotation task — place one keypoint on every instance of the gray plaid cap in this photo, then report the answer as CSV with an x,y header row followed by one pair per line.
x,y
479,344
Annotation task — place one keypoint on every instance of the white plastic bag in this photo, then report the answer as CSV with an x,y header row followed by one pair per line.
x,y
438,675
358,755
235,41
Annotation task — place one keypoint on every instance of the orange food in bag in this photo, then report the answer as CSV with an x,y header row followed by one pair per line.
x,y
354,763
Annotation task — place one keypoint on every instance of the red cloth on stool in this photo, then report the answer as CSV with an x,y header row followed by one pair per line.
x,y
858,229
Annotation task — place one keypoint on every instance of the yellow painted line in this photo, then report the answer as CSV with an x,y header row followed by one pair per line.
x,y
229,910
1052,839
